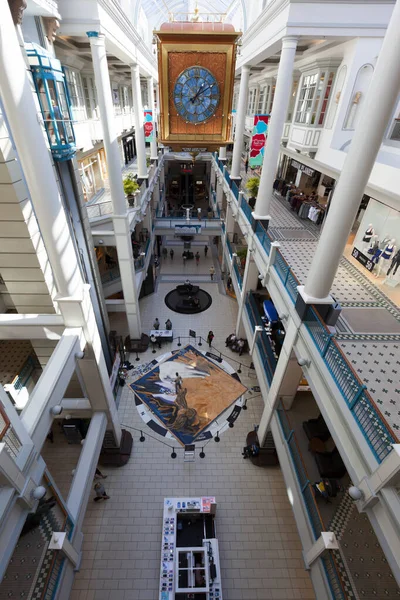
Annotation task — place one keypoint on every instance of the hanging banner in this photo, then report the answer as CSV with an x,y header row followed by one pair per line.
x,y
260,132
148,126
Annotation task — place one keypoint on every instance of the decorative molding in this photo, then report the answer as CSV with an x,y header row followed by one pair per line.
x,y
51,26
17,8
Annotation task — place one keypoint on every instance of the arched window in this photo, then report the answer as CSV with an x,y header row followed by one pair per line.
x,y
357,98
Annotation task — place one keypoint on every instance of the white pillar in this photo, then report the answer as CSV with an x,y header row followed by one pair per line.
x,y
220,191
120,219
139,129
103,86
240,122
150,102
275,128
250,280
222,153
375,115
21,111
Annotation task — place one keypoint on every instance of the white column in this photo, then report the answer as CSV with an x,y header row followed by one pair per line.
x,y
220,191
375,115
139,129
240,122
150,101
275,128
271,402
120,218
103,86
250,280
222,153
21,111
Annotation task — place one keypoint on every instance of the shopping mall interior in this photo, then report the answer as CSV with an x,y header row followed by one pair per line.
x,y
199,300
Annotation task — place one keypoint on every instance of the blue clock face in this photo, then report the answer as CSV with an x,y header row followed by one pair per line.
x,y
196,95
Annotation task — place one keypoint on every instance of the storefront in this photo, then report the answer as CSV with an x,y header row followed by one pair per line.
x,y
129,148
306,190
375,246
93,172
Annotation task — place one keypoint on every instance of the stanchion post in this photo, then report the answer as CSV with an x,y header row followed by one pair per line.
x,y
179,342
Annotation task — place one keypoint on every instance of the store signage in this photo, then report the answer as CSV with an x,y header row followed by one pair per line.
x,y
303,168
364,260
260,132
148,126
187,229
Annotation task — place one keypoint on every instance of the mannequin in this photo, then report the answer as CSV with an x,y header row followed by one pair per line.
x,y
373,245
368,234
394,264
387,253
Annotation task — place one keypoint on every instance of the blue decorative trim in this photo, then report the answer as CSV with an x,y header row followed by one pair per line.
x,y
92,34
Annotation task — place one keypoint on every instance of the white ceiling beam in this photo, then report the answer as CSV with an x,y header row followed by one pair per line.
x,y
31,327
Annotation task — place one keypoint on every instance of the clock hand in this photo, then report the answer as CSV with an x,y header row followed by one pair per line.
x,y
198,92
204,90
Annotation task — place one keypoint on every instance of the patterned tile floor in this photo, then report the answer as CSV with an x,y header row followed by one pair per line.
x,y
373,353
259,546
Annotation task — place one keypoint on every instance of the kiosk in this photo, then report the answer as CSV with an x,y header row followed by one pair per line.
x,y
190,568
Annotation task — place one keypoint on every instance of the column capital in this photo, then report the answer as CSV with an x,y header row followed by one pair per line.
x,y
290,41
246,67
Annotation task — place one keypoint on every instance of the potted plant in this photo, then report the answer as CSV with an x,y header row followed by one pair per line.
x,y
253,183
131,186
148,161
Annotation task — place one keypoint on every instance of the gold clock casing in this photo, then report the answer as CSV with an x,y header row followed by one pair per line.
x,y
186,47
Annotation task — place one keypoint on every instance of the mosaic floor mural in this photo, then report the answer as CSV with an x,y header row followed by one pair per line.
x,y
187,392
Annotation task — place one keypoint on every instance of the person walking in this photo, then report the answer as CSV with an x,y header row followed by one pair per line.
x,y
184,258
229,283
164,252
210,338
171,253
156,324
197,256
246,164
178,383
100,492
168,324
205,250
99,474
212,273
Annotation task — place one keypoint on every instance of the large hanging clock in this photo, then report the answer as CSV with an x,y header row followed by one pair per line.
x,y
196,65
196,95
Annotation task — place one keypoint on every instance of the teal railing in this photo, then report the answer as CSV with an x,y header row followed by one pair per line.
x,y
25,373
110,275
265,350
238,274
229,246
300,471
246,208
235,190
368,417
332,575
264,238
227,177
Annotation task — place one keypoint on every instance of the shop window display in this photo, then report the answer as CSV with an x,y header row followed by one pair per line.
x,y
376,244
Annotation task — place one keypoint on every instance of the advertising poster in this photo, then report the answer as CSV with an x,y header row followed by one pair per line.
x,y
148,126
260,133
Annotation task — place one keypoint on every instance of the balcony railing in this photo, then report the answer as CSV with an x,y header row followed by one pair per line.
x,y
229,246
368,417
267,355
238,274
245,206
332,574
300,470
264,238
8,435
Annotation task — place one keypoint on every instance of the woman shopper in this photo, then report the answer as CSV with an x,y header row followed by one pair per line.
x,y
210,338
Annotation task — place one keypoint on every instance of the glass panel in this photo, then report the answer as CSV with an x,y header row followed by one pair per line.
x,y
318,97
183,560
326,99
183,579
198,558
200,578
306,96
